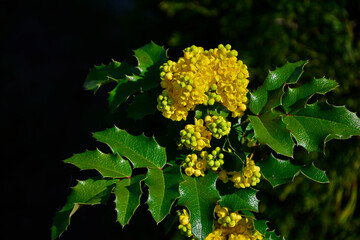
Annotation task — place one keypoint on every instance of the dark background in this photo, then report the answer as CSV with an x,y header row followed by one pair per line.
x,y
47,48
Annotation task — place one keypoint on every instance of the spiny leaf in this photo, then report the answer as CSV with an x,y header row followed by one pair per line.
x,y
143,104
127,193
315,174
275,81
150,55
271,235
270,130
278,171
297,97
261,226
163,190
318,123
109,165
103,74
146,76
140,150
289,74
241,199
199,196
88,192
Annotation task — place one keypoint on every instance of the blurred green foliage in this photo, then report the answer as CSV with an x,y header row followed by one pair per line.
x,y
267,34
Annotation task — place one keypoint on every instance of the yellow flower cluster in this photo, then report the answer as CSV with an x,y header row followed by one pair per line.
x,y
185,225
197,165
218,126
203,77
249,177
227,218
195,136
194,166
232,226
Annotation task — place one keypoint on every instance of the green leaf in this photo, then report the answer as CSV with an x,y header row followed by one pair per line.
x,y
199,196
271,235
314,174
109,165
242,199
278,171
103,74
318,123
261,226
142,151
122,92
127,198
163,190
148,56
287,74
143,104
297,97
270,130
88,192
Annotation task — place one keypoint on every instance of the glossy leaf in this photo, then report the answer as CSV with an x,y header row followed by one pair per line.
x,y
241,199
109,165
199,196
261,226
140,150
163,190
297,97
271,235
127,198
270,130
143,77
143,104
88,192
148,56
314,174
278,171
103,74
318,123
287,74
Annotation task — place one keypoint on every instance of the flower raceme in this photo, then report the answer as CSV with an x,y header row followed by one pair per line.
x,y
203,77
228,226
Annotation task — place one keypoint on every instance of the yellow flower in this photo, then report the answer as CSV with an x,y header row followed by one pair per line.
x,y
250,176
203,77
216,235
195,136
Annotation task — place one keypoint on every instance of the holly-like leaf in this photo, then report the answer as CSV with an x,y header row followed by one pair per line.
x,y
318,123
143,104
148,56
261,226
109,165
278,171
127,198
142,151
199,196
88,192
315,174
271,235
270,130
163,190
297,97
287,74
242,199
103,74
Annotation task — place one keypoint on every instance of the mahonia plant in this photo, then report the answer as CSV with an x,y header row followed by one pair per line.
x,y
214,127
